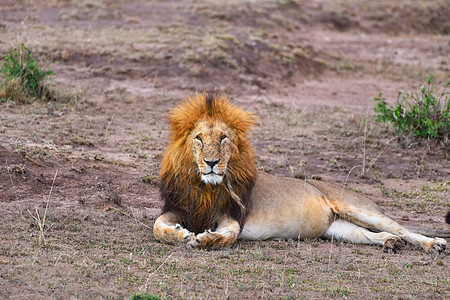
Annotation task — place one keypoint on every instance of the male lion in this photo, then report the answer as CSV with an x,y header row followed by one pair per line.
x,y
213,193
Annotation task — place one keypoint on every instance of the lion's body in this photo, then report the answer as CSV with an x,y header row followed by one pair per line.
x,y
213,194
285,208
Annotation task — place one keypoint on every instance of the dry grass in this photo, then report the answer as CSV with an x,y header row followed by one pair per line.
x,y
13,92
41,221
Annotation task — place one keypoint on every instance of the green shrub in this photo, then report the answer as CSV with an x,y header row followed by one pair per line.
x,y
422,115
144,297
22,73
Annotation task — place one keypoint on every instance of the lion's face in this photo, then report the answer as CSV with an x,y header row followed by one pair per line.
x,y
212,149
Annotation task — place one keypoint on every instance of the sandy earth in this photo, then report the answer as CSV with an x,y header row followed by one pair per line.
x,y
90,162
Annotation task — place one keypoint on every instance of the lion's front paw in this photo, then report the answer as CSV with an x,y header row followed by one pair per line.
x,y
194,243
188,238
202,240
211,240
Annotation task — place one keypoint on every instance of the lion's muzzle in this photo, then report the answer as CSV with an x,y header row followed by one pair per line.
x,y
212,178
211,173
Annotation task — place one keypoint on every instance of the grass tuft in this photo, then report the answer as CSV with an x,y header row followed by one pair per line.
x,y
24,79
144,297
423,115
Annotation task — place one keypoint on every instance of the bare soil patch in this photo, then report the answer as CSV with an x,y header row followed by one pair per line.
x,y
90,164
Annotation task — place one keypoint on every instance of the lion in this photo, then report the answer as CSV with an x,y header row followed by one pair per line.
x,y
213,193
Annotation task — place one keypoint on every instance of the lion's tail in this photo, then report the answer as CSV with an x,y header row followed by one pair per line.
x,y
447,217
430,232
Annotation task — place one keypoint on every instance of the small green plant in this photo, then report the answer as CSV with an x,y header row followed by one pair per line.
x,y
24,78
422,115
144,297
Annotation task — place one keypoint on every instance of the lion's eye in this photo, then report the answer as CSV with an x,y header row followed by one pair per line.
x,y
223,137
198,137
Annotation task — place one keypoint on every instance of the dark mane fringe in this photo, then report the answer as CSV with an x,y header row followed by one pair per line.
x,y
184,200
210,103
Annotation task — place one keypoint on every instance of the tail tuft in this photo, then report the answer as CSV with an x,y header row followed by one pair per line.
x,y
447,217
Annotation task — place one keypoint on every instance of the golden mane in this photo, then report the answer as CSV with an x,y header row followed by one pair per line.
x,y
200,205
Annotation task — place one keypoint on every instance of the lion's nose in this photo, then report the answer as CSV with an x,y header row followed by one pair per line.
x,y
211,163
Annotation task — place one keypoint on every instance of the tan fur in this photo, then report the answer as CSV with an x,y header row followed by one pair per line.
x,y
276,207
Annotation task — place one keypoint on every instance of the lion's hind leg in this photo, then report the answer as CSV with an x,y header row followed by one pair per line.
x,y
168,230
342,230
379,222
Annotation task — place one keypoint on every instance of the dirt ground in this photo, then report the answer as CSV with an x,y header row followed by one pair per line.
x,y
87,166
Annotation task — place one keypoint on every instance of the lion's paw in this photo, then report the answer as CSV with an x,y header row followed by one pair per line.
x,y
393,244
439,245
434,246
209,240
192,244
200,240
188,238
